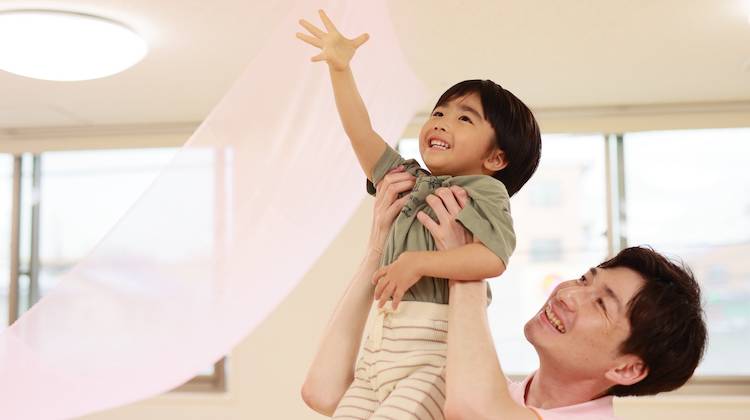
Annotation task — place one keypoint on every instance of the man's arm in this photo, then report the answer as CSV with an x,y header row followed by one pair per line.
x,y
476,384
338,51
332,370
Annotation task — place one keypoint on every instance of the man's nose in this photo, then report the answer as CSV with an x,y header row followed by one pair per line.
x,y
571,297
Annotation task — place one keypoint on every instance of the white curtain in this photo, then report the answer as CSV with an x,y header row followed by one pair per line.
x,y
221,237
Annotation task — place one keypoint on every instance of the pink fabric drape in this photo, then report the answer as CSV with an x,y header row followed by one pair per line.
x,y
222,236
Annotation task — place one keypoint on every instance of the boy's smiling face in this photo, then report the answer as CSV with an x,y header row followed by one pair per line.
x,y
458,140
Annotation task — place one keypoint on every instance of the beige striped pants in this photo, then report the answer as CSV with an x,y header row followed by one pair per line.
x,y
400,373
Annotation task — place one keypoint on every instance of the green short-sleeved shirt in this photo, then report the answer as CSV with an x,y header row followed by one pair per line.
x,y
487,218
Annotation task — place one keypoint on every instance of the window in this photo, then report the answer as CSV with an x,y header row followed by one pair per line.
x,y
80,196
83,194
409,149
544,250
6,200
545,193
685,193
688,196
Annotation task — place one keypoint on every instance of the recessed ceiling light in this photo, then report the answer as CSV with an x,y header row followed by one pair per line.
x,y
66,46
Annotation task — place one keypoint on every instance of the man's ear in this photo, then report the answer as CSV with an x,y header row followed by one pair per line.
x,y
495,161
628,369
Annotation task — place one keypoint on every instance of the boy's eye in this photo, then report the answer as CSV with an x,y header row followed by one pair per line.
x,y
465,118
437,114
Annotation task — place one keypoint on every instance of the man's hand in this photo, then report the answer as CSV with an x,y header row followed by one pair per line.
x,y
388,205
337,50
447,233
447,203
395,279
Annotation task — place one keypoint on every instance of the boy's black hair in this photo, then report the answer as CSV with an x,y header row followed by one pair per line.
x,y
516,130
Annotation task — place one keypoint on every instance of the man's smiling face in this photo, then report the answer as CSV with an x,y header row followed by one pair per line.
x,y
583,323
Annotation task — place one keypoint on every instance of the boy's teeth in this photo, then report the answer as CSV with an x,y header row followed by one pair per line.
x,y
439,145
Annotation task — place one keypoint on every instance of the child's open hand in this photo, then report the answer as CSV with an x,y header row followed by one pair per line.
x,y
395,279
337,50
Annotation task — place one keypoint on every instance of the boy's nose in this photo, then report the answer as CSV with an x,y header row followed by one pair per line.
x,y
439,127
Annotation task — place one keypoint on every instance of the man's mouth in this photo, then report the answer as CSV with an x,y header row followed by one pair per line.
x,y
553,319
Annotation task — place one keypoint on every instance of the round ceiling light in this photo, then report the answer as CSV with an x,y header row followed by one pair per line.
x,y
66,46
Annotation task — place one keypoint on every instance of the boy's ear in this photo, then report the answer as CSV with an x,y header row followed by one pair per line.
x,y
495,161
627,370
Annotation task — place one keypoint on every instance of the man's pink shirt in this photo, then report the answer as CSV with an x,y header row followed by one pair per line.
x,y
599,409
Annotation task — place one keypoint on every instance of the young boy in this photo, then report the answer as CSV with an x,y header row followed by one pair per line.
x,y
479,137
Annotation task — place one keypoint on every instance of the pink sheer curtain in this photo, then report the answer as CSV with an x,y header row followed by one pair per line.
x,y
208,251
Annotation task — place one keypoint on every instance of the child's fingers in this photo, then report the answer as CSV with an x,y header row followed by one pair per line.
x,y
358,41
381,285
378,274
312,28
319,57
387,292
327,22
315,42
397,295
379,289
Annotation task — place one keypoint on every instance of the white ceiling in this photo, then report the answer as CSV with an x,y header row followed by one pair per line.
x,y
551,53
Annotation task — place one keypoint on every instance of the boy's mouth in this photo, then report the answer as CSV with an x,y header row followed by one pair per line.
x,y
437,144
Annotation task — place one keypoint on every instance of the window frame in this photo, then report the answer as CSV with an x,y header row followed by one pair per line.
x,y
213,383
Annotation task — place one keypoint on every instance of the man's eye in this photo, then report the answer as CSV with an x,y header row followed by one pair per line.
x,y
465,118
582,279
601,303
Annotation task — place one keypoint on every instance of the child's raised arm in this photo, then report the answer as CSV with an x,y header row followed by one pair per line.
x,y
338,51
